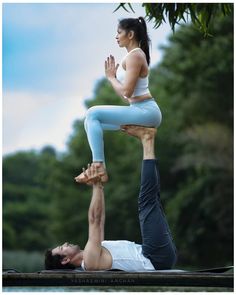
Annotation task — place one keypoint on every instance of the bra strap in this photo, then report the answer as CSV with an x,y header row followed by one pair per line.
x,y
129,53
133,50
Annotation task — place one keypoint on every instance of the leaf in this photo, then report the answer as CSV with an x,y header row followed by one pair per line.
x,y
123,6
201,14
130,6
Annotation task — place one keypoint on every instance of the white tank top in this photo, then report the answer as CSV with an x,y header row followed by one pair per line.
x,y
126,256
141,86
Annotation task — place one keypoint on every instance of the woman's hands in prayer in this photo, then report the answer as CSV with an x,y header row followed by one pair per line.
x,y
111,67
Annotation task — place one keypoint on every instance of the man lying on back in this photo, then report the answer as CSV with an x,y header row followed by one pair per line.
x,y
157,250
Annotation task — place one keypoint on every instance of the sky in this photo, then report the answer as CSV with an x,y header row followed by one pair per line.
x,y
53,55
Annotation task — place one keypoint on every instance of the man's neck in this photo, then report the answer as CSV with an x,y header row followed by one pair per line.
x,y
77,259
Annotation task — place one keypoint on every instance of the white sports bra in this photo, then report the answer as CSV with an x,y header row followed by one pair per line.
x,y
141,87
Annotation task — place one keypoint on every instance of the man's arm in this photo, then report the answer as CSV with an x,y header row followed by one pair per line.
x,y
102,223
96,219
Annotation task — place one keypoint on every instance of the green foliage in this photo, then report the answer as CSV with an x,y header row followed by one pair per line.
x,y
23,261
193,85
27,191
202,15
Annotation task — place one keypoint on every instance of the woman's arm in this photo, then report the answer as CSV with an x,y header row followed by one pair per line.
x,y
134,64
110,71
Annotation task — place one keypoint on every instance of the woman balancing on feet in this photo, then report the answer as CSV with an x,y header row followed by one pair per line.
x,y
130,81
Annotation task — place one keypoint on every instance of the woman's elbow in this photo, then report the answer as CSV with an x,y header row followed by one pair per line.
x,y
127,93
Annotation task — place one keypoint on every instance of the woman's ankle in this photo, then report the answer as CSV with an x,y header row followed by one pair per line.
x,y
99,165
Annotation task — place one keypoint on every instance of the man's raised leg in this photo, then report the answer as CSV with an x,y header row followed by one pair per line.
x,y
157,242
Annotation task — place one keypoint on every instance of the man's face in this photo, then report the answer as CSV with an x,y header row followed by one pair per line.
x,y
68,250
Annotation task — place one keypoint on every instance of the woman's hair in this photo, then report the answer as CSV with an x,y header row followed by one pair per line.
x,y
54,261
139,27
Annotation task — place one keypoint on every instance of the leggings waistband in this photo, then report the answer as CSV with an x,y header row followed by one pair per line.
x,y
142,101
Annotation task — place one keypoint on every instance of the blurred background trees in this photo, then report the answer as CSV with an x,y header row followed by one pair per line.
x,y
193,85
201,15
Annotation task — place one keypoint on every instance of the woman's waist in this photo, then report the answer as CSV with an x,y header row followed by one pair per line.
x,y
140,98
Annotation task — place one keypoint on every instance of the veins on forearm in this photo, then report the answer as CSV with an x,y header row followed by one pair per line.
x,y
96,209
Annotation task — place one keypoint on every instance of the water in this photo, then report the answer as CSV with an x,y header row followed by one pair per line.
x,y
116,289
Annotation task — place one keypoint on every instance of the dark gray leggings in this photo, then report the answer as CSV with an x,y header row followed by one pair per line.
x,y
157,242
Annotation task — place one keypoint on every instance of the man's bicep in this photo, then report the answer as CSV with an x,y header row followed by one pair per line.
x,y
93,248
92,255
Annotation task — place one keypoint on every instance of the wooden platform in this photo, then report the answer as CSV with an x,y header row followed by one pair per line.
x,y
118,278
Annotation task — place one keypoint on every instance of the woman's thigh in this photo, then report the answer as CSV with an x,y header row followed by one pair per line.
x,y
121,115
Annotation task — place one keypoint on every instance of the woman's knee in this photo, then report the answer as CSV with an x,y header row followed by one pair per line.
x,y
92,113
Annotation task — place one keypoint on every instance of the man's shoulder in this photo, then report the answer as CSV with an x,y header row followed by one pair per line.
x,y
96,258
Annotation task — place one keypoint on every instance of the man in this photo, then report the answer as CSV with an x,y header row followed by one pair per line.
x,y
157,250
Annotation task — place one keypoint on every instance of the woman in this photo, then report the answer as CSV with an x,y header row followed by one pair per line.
x,y
130,81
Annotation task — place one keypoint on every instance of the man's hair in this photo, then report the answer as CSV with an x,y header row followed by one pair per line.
x,y
54,261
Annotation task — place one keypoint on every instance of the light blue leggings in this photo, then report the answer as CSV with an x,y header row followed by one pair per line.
x,y
99,118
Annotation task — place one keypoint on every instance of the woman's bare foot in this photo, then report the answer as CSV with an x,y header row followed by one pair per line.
x,y
84,176
101,170
141,132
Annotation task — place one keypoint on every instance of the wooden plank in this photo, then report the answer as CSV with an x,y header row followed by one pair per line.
x,y
112,278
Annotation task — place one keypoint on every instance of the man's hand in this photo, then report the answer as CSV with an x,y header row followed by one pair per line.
x,y
92,175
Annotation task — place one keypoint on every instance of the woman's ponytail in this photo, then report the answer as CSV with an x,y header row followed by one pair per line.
x,y
145,40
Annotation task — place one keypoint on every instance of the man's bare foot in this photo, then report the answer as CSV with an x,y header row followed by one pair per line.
x,y
141,132
146,135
